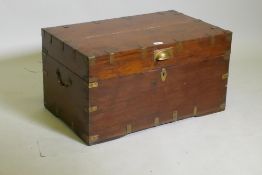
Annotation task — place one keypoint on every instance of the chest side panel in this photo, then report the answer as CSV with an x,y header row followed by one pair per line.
x,y
140,101
66,96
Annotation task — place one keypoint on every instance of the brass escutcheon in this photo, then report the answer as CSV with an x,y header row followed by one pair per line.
x,y
163,74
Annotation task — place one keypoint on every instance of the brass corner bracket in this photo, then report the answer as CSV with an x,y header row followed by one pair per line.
x,y
175,115
195,111
93,138
156,121
93,85
92,109
224,76
128,129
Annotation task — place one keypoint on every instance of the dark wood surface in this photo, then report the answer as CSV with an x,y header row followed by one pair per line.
x,y
138,100
67,98
118,55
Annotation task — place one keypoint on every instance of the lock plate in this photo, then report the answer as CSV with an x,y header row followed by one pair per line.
x,y
163,54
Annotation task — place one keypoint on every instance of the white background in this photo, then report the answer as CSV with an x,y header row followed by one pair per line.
x,y
21,20
32,141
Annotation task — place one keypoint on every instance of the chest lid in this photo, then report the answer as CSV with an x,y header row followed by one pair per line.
x,y
135,44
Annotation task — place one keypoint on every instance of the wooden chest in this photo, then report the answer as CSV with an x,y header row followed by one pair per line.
x,y
109,78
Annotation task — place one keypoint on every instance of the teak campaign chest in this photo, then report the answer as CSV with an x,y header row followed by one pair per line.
x,y
109,78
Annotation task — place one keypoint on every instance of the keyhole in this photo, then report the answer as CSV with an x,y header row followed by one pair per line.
x,y
163,74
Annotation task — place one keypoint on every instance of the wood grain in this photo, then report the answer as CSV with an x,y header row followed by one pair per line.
x,y
129,95
139,99
127,37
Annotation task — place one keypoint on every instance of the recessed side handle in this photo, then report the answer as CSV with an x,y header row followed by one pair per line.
x,y
61,81
163,54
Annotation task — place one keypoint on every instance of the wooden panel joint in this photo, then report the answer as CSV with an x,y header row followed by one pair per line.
x,y
111,57
212,40
144,52
227,55
179,46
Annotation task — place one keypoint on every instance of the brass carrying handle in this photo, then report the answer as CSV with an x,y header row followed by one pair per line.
x,y
60,80
163,54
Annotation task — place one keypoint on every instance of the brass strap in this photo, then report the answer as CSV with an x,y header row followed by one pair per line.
x,y
175,115
195,111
